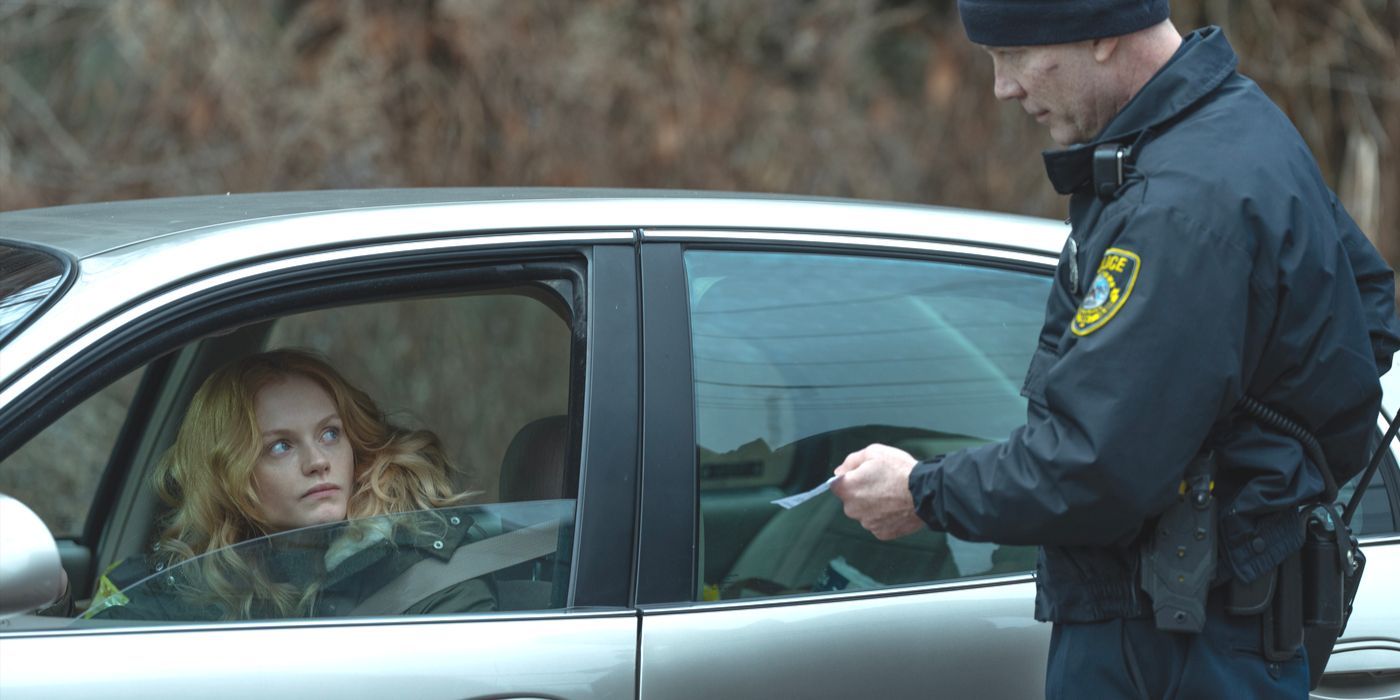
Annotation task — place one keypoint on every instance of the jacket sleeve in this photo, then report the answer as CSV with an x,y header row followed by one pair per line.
x,y
63,607
1118,409
1376,282
472,595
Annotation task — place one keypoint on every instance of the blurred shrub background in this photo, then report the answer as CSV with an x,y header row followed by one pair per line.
x,y
865,98
883,99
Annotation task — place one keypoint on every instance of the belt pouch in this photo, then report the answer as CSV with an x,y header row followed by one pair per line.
x,y
1332,566
1251,598
1177,560
1282,624
1323,562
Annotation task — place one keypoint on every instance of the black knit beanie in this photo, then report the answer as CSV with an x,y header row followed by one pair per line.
x,y
1039,22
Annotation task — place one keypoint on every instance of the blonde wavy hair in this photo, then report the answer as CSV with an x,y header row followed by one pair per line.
x,y
207,478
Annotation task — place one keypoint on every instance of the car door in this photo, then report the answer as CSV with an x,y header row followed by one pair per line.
x,y
775,355
799,349
570,633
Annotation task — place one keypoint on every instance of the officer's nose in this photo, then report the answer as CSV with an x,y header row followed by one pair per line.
x,y
1005,88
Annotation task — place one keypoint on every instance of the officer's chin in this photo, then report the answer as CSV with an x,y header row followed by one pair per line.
x,y
1066,140
1066,135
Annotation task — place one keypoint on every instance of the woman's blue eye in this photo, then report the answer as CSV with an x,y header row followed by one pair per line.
x,y
330,434
279,448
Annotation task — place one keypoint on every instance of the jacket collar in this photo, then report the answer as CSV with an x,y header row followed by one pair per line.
x,y
335,553
427,534
1204,60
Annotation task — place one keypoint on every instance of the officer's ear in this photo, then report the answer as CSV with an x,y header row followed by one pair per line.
x,y
1104,48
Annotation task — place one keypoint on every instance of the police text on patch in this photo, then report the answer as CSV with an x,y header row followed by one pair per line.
x,y
1109,291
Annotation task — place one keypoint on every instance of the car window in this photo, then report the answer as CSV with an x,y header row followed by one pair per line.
x,y
28,278
1373,514
800,359
483,382
57,472
478,558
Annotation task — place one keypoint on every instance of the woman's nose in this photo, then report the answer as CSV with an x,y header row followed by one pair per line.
x,y
318,461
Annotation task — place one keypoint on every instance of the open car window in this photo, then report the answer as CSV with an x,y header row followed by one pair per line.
x,y
484,366
463,559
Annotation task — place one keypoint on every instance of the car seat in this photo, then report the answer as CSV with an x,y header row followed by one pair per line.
x,y
533,466
534,469
794,550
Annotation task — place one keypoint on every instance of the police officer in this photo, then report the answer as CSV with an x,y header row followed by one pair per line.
x,y
1207,262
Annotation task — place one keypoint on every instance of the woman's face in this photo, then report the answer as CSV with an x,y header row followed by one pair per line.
x,y
305,467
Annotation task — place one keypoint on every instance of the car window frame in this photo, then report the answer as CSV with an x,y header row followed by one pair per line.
x,y
603,268
670,478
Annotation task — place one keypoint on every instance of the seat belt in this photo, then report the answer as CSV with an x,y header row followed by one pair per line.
x,y
430,575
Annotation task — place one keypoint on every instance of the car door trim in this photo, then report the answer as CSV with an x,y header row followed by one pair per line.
x,y
852,240
608,477
666,556
128,627
837,596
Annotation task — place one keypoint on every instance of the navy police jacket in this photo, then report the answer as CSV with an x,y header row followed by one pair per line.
x,y
1221,267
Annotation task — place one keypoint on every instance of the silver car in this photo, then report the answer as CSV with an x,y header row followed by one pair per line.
x,y
628,379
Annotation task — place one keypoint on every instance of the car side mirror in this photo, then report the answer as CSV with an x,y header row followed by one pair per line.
x,y
30,570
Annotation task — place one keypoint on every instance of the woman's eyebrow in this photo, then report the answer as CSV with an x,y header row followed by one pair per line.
x,y
333,416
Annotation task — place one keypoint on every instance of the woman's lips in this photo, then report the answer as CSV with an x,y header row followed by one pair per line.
x,y
320,489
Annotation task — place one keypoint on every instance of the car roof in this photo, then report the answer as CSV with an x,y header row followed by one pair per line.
x,y
127,251
88,230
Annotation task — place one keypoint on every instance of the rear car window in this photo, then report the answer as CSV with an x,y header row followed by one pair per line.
x,y
801,359
28,278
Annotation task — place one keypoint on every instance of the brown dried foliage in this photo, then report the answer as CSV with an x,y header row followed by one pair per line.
x,y
865,98
883,99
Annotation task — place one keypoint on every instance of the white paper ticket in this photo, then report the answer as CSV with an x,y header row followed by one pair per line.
x,y
799,498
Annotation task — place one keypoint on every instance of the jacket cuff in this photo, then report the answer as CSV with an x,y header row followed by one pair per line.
x,y
924,482
63,607
1254,546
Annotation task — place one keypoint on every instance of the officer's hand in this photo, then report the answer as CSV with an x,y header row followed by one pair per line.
x,y
875,491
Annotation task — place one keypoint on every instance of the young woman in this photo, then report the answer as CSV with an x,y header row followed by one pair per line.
x,y
274,443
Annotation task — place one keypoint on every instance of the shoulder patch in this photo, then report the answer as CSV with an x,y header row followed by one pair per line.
x,y
1108,292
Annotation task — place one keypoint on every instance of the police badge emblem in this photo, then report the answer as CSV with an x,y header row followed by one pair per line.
x,y
1108,292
